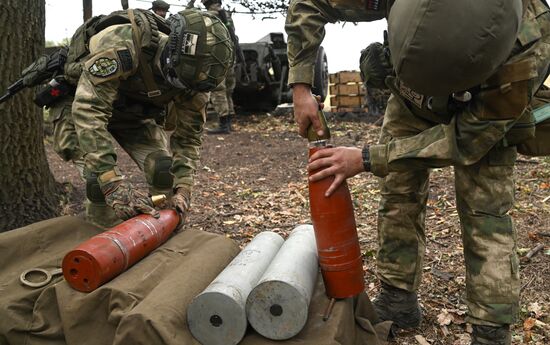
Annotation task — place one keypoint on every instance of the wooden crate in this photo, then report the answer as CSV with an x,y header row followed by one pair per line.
x,y
346,89
345,77
346,101
349,110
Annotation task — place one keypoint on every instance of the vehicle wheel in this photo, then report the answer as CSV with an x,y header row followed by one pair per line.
x,y
320,82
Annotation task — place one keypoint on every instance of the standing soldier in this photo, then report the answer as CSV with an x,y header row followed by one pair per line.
x,y
465,72
160,8
125,75
222,96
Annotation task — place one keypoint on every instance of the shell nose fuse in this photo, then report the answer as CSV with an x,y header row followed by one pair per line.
x,y
335,229
106,255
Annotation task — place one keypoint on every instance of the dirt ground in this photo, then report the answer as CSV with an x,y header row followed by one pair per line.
x,y
255,180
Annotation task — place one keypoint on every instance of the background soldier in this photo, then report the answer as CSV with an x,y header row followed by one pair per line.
x,y
122,89
160,8
432,122
222,96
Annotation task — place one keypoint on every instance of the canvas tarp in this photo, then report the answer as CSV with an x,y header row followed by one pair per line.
x,y
146,304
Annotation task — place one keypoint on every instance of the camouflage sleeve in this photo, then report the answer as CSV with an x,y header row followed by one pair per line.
x,y
186,139
112,58
464,141
91,110
305,27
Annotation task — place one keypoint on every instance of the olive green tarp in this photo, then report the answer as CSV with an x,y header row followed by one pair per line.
x,y
144,305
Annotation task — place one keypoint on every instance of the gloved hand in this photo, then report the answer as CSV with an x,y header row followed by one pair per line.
x,y
126,201
375,65
180,202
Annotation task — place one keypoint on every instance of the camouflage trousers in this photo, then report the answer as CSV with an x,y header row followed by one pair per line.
x,y
222,96
139,138
484,195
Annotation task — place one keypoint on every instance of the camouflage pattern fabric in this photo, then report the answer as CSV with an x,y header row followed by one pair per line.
x,y
126,201
111,104
222,96
470,139
303,42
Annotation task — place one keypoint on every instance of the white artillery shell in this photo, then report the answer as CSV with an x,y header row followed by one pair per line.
x,y
278,307
217,316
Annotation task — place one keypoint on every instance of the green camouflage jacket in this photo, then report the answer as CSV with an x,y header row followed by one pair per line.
x,y
305,24
110,73
469,135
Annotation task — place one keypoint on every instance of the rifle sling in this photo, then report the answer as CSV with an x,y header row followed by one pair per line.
x,y
143,63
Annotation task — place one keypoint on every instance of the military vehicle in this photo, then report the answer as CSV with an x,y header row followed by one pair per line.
x,y
264,85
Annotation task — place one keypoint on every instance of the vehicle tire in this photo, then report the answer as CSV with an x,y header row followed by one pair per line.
x,y
320,81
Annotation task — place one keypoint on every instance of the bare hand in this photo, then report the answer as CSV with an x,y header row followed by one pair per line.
x,y
305,109
340,162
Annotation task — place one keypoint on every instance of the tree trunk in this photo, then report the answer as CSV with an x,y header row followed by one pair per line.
x,y
28,191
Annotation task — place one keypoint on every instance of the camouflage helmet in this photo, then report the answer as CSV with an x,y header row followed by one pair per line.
x,y
207,3
199,52
443,46
161,5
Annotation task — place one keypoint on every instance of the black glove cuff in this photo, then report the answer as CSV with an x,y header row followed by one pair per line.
x,y
366,158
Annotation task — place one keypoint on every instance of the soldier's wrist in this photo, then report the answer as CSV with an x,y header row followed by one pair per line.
x,y
109,177
365,153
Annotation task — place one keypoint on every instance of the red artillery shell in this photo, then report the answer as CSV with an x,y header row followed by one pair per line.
x,y
336,235
104,256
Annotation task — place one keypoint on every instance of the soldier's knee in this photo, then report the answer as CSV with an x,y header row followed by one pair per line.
x,y
93,191
157,169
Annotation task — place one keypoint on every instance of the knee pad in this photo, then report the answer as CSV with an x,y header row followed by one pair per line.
x,y
93,191
157,169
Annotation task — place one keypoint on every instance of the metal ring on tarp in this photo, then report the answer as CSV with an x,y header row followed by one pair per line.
x,y
49,274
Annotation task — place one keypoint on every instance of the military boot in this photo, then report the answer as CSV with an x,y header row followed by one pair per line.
x,y
487,335
398,305
224,126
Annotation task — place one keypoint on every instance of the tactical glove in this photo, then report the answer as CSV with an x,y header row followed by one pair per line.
x,y
375,65
180,202
126,201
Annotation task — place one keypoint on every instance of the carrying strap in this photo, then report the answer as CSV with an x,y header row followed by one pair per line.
x,y
542,113
147,52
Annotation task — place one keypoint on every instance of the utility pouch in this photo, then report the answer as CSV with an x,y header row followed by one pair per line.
x,y
505,95
540,144
523,129
52,92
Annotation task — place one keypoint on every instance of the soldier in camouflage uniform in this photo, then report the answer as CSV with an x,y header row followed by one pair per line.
x,y
222,96
131,72
474,137
160,8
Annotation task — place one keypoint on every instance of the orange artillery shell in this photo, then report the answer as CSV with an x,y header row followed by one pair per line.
x,y
336,235
104,256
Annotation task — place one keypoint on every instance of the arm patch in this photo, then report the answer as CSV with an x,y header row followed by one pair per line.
x,y
125,59
107,65
103,67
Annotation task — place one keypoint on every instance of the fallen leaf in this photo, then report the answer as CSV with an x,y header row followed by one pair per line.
x,y
444,318
536,309
529,323
462,339
421,340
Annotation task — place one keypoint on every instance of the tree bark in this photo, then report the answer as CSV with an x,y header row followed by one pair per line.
x,y
28,191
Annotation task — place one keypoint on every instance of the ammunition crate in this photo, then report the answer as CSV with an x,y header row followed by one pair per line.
x,y
347,92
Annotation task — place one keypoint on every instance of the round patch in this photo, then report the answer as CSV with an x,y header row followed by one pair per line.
x,y
103,67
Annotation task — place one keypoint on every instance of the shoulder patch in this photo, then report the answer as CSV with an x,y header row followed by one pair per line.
x,y
125,59
103,67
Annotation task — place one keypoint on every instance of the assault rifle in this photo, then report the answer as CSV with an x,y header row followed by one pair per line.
x,y
44,68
